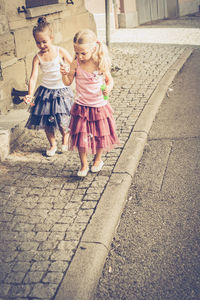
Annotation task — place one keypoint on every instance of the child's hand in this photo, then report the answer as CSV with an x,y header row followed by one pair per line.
x,y
28,99
64,68
105,91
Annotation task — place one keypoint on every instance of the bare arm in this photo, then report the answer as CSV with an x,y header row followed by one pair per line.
x,y
109,83
34,76
68,77
66,57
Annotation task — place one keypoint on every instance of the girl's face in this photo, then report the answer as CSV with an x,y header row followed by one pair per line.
x,y
84,53
43,40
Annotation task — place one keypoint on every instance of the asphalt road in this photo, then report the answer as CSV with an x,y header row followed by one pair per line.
x,y
155,253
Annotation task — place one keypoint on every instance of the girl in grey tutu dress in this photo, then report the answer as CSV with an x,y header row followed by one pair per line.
x,y
53,100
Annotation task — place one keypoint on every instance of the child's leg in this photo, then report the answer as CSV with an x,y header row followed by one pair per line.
x,y
51,137
84,162
97,158
65,135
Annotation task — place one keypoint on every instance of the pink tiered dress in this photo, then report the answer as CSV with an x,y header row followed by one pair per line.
x,y
92,125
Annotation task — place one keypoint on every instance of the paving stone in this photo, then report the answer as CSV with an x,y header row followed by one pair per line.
x,y
91,197
19,291
53,277
84,215
60,204
76,198
89,205
58,266
40,266
43,227
94,190
33,277
6,217
43,201
43,291
74,235
25,236
26,256
23,227
56,236
52,192
15,277
61,255
2,276
26,246
21,267
41,236
71,207
47,245
42,255
8,256
4,288
37,191
66,245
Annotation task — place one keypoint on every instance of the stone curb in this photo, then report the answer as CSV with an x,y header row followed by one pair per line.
x,y
85,269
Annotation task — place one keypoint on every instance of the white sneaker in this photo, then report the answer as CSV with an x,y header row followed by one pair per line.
x,y
51,152
95,169
64,148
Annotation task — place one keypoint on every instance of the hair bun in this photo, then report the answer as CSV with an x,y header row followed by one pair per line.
x,y
41,20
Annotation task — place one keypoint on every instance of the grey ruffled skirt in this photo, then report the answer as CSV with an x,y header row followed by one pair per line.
x,y
51,109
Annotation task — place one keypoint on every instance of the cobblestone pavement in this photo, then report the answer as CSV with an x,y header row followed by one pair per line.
x,y
44,207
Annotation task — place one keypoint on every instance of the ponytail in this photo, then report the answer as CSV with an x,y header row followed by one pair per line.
x,y
101,56
41,26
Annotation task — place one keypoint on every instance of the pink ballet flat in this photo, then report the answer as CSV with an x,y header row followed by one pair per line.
x,y
82,173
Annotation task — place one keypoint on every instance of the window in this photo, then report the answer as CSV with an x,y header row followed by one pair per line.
x,y
35,3
36,8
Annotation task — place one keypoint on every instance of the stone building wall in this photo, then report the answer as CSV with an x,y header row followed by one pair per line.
x,y
188,6
17,45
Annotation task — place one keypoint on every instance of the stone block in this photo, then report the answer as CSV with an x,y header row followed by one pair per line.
x,y
5,143
188,7
3,24
24,37
44,10
57,31
2,6
13,77
128,20
7,43
77,21
5,97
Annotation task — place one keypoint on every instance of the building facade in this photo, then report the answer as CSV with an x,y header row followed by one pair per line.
x,y
17,45
131,13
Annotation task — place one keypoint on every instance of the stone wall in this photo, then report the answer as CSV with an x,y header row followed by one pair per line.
x,y
17,45
188,6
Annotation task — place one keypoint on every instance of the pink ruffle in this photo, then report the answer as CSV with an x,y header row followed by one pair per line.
x,y
92,128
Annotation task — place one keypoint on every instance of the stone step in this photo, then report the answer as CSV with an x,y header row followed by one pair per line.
x,y
11,128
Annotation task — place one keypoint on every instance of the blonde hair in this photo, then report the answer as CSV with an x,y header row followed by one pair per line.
x,y
41,26
88,38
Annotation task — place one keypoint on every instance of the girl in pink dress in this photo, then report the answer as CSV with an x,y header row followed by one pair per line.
x,y
92,126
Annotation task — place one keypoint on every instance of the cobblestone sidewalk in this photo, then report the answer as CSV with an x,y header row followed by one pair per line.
x,y
44,207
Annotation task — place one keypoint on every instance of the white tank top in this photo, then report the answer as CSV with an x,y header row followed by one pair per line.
x,y
51,77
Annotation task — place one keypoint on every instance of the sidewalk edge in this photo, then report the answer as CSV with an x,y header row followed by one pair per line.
x,y
85,269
